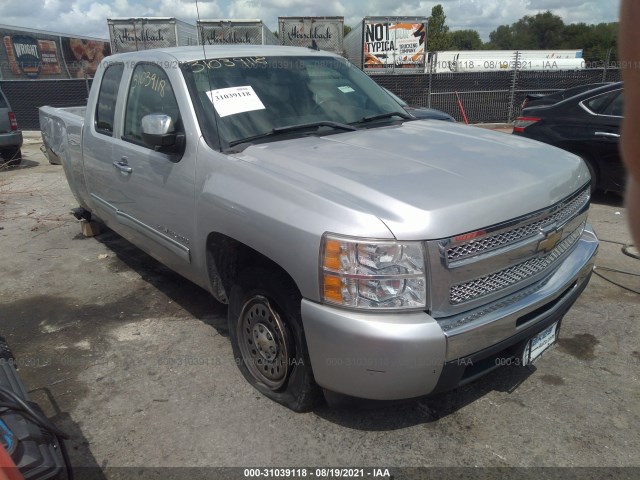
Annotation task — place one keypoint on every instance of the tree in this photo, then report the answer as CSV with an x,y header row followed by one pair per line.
x,y
345,30
501,38
576,34
539,32
546,30
596,40
465,40
438,38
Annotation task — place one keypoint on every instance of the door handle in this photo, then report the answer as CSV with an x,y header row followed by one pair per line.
x,y
607,134
123,165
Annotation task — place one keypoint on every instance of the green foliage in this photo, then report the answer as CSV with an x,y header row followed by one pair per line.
x,y
598,41
501,38
438,38
543,31
346,29
546,31
539,32
465,40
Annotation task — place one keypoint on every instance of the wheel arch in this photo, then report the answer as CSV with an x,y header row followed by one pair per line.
x,y
226,257
591,161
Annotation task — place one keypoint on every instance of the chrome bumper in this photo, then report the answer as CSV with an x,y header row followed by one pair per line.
x,y
397,356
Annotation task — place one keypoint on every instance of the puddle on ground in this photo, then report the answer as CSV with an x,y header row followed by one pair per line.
x,y
552,380
580,346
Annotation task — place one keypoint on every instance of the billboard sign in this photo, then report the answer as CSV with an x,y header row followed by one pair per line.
x,y
394,44
82,57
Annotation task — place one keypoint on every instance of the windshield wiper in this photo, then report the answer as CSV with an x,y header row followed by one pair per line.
x,y
380,116
322,123
292,128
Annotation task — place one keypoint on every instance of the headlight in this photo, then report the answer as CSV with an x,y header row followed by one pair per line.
x,y
372,274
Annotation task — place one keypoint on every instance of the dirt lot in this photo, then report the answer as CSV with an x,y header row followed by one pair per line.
x,y
135,363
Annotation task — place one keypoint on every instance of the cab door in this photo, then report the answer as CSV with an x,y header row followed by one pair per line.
x,y
100,138
145,195
155,189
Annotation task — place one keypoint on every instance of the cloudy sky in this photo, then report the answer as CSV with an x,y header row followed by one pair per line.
x,y
88,17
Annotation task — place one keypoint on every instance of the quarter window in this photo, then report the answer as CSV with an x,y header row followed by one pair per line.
x,y
149,92
615,107
599,104
106,110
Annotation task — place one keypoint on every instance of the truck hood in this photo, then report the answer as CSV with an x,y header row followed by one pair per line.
x,y
426,179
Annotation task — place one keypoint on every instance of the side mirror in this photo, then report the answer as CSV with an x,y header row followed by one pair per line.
x,y
158,132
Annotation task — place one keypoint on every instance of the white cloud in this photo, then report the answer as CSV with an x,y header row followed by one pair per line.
x,y
88,17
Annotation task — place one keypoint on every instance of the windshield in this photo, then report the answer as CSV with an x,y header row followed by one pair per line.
x,y
396,98
256,97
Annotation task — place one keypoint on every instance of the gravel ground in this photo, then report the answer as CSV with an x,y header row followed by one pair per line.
x,y
135,363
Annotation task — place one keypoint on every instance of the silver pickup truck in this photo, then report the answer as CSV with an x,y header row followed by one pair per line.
x,y
360,251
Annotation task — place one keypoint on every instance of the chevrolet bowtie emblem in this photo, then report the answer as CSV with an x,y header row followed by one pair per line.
x,y
550,241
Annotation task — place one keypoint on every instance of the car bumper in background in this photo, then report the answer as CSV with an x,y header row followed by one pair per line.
x,y
11,139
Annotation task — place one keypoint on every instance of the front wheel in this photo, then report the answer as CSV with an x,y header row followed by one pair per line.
x,y
265,328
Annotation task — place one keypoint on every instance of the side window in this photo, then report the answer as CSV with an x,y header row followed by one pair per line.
x,y
149,92
615,108
106,109
599,104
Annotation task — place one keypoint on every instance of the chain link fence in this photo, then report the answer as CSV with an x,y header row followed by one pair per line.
x,y
26,96
496,96
487,97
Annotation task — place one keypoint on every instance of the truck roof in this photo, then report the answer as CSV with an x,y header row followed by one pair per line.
x,y
193,53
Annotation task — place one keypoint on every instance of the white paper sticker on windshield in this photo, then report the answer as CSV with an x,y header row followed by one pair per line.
x,y
346,89
229,101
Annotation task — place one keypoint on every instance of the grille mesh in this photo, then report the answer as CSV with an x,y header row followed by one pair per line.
x,y
502,239
510,276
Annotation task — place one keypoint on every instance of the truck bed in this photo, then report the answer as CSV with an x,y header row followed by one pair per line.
x,y
54,123
62,142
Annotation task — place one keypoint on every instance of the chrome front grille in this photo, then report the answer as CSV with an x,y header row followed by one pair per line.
x,y
489,284
561,213
504,258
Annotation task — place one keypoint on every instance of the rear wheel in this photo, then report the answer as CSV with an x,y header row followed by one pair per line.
x,y
265,328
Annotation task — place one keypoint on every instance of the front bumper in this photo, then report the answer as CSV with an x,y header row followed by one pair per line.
x,y
405,355
11,139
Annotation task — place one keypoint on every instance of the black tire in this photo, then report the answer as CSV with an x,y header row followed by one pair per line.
x,y
11,156
267,337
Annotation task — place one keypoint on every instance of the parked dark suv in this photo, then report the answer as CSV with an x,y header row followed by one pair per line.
x,y
10,136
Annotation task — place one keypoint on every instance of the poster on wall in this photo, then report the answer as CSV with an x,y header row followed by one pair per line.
x,y
30,54
28,57
82,57
394,44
